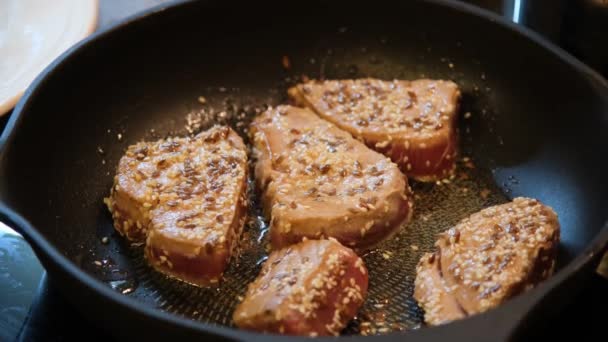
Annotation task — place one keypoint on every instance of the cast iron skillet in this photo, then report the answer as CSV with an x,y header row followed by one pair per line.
x,y
538,116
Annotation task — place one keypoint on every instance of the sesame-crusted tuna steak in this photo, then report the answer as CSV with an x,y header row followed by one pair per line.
x,y
187,198
312,288
412,122
486,259
318,182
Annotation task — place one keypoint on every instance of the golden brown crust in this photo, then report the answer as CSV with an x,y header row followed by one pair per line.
x,y
320,182
311,288
412,122
189,198
490,257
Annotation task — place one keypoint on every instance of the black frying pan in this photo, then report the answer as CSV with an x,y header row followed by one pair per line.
x,y
537,129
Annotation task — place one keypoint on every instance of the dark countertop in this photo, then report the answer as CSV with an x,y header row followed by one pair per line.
x,y
31,309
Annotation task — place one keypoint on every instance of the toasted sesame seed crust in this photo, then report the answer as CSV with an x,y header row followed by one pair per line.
x,y
313,288
412,122
186,198
488,258
319,182
431,293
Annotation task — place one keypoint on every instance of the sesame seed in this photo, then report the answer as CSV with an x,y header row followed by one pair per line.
x,y
382,144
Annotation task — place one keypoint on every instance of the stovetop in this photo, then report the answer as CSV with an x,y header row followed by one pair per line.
x,y
31,308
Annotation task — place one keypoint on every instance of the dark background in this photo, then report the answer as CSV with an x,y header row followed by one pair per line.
x,y
31,309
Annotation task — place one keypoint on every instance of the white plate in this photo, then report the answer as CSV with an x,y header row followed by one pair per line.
x,y
4,229
32,34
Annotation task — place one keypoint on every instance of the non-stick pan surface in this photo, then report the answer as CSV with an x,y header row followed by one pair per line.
x,y
532,124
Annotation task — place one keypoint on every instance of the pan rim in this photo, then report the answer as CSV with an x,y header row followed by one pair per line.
x,y
597,245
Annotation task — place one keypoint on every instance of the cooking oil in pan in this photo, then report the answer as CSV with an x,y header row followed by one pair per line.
x,y
389,306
